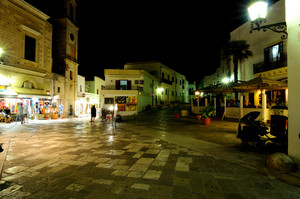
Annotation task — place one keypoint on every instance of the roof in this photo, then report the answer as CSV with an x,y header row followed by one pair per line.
x,y
248,86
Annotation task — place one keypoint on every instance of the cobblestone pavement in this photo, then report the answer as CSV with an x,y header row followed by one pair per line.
x,y
77,159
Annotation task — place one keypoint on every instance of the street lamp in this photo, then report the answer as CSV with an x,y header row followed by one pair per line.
x,y
225,80
1,53
258,12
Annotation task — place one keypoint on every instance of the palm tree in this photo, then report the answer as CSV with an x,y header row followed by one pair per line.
x,y
239,50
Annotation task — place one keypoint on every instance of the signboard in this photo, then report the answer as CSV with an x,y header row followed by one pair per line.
x,y
131,100
120,99
83,94
2,87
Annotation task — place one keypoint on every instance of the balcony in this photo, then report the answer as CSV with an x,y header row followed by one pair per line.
x,y
263,66
114,87
166,81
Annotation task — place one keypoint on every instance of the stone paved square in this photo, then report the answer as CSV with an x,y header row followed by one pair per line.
x,y
76,159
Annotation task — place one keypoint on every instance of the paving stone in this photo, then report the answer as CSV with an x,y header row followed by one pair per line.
x,y
145,161
139,167
135,174
103,181
15,169
141,186
75,187
80,160
152,174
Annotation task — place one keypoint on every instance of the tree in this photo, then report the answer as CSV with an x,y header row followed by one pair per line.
x,y
239,50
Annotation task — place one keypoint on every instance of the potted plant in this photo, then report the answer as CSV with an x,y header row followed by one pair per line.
x,y
177,112
207,114
55,115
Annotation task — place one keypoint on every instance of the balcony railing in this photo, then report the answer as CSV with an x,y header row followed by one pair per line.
x,y
166,81
262,66
122,87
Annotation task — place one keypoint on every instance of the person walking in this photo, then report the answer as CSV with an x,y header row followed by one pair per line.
x,y
93,113
20,112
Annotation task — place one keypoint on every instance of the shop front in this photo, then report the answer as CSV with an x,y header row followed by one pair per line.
x,y
35,106
127,105
84,103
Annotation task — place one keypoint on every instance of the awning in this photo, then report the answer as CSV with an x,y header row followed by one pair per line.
x,y
248,86
30,93
8,93
220,88
261,83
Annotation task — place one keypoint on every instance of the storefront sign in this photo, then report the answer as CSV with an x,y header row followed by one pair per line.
x,y
131,100
120,99
2,88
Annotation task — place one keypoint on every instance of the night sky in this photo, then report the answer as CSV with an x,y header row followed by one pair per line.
x,y
185,36
182,35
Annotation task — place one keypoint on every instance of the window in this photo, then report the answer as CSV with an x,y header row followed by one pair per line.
x,y
108,100
80,90
30,48
139,81
163,75
123,84
71,75
97,91
274,56
27,84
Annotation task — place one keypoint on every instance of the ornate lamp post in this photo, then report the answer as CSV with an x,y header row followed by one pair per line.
x,y
1,53
258,12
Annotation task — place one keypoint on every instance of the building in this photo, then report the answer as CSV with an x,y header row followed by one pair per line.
x,y
292,11
173,85
269,58
26,61
93,92
80,104
131,90
95,86
65,53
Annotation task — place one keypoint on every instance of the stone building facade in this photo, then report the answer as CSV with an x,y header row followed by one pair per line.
x,y
65,54
26,61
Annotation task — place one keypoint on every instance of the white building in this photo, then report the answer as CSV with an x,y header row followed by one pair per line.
x,y
86,96
173,85
131,90
269,58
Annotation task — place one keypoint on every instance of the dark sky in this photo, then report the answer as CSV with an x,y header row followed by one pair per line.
x,y
183,35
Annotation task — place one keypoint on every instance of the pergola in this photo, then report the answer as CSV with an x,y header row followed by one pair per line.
x,y
261,83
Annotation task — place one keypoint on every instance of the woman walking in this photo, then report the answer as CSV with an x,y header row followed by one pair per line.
x,y
93,113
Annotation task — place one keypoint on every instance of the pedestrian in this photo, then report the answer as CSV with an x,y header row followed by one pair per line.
x,y
93,113
25,114
8,116
20,112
